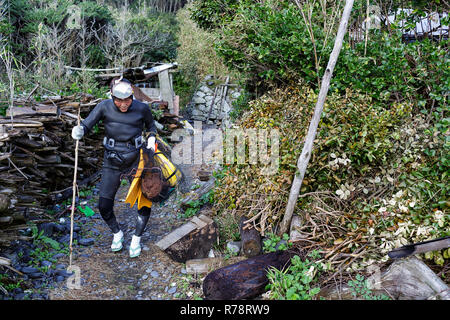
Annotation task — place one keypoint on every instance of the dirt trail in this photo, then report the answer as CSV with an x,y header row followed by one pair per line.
x,y
153,275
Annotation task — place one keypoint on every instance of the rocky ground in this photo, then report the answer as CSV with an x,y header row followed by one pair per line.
x,y
108,275
39,268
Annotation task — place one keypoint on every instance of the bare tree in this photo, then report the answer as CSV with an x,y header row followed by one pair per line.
x,y
125,43
329,23
50,48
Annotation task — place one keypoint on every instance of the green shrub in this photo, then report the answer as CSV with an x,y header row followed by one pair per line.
x,y
298,281
360,289
274,243
196,57
268,41
213,14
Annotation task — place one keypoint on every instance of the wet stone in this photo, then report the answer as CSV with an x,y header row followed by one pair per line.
x,y
154,274
172,290
59,256
86,241
36,275
29,270
60,266
46,263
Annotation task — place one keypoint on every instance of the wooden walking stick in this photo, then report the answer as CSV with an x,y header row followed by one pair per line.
x,y
74,187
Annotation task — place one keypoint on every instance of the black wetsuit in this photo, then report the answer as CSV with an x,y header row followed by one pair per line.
x,y
122,131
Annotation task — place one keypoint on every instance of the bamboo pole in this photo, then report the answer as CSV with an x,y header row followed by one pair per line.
x,y
74,187
303,160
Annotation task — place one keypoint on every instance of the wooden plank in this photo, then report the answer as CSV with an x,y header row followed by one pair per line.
x,y
176,105
6,220
176,235
206,187
198,222
206,219
5,261
195,223
190,241
166,89
206,265
194,245
22,123
33,111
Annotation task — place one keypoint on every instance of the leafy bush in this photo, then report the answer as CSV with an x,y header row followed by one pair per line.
x,y
393,71
240,105
360,290
383,168
270,42
26,17
213,14
298,281
274,243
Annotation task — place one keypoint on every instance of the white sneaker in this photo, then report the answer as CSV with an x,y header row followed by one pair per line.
x,y
117,241
135,247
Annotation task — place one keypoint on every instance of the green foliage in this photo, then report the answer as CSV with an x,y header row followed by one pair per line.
x,y
196,57
240,105
269,42
361,131
298,281
275,242
360,290
229,253
94,12
394,71
157,114
39,237
10,284
213,14
195,205
163,27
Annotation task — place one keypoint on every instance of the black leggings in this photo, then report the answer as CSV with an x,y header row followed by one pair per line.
x,y
105,206
110,183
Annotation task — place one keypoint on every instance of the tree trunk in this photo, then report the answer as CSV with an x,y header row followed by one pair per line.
x,y
245,279
193,240
303,160
250,239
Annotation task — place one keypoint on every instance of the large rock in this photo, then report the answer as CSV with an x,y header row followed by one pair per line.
x,y
200,94
405,279
206,89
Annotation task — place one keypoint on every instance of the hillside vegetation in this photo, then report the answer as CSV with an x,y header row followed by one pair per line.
x,y
378,175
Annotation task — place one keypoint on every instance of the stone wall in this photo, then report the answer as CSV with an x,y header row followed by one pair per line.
x,y
208,92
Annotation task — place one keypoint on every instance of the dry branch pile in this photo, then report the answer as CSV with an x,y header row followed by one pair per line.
x,y
37,154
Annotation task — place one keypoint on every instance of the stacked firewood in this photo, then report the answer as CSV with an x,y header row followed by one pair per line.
x,y
37,154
